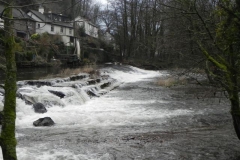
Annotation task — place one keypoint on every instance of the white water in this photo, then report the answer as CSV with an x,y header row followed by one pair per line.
x,y
77,110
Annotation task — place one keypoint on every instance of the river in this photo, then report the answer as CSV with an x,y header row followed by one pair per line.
x,y
131,119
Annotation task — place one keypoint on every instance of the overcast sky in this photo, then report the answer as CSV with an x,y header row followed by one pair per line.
x,y
102,1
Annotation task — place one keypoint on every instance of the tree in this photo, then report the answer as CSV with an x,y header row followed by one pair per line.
x,y
8,140
226,57
136,26
214,27
191,31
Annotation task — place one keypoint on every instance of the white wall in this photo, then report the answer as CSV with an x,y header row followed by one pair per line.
x,y
90,29
45,27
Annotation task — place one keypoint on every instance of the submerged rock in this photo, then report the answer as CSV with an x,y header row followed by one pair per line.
x,y
57,93
46,121
92,94
39,108
28,100
19,95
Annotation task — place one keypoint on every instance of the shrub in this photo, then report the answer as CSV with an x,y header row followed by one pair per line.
x,y
35,36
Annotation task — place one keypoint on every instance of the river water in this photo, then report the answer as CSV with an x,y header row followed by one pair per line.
x,y
131,119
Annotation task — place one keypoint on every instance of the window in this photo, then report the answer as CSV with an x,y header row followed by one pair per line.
x,y
39,25
70,31
61,30
71,39
80,23
52,28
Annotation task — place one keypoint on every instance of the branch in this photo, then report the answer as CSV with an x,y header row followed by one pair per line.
x,y
35,4
5,3
203,22
222,66
229,11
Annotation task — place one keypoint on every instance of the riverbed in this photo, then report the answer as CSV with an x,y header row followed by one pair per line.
x,y
134,120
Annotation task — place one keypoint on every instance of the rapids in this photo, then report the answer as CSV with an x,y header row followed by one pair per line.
x,y
123,116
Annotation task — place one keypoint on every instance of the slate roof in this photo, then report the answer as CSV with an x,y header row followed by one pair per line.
x,y
41,16
44,18
17,13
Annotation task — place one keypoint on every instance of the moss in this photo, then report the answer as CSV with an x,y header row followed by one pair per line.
x,y
222,65
8,140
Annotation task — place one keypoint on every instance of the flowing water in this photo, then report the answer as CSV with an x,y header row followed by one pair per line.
x,y
130,118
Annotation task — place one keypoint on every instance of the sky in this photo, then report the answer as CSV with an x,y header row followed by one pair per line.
x,y
102,1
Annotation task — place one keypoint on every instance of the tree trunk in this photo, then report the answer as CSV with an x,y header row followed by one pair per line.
x,y
236,114
233,96
8,140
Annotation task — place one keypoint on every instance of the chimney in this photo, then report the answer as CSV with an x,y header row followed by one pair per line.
x,y
41,9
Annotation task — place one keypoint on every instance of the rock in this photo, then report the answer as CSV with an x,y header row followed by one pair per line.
x,y
19,95
2,91
46,121
39,108
38,83
78,77
1,117
1,106
92,94
57,93
92,82
28,100
104,85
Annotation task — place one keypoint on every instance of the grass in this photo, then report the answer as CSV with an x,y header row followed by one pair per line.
x,y
172,81
69,72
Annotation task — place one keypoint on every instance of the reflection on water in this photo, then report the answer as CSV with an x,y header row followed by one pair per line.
x,y
38,73
33,73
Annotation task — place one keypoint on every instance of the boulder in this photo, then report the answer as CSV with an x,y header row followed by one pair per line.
x,y
39,108
46,121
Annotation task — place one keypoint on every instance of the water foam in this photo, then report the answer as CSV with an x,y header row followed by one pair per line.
x,y
76,102
131,74
77,110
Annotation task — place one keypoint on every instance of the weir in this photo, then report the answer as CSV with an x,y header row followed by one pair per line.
x,y
74,90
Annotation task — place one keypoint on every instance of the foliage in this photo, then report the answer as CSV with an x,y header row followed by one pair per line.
x,y
106,46
35,36
86,61
81,31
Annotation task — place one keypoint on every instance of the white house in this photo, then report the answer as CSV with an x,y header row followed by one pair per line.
x,y
54,24
90,28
